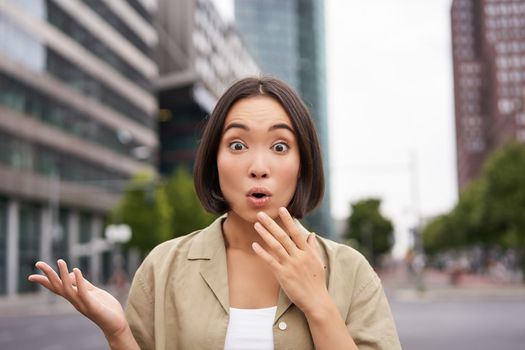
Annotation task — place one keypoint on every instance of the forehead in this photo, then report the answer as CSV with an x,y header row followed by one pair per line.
x,y
257,110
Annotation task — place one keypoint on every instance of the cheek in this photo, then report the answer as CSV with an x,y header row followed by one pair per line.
x,y
227,169
289,173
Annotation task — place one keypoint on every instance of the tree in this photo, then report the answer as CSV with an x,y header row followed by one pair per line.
x,y
435,235
461,227
145,208
370,229
490,210
504,202
187,212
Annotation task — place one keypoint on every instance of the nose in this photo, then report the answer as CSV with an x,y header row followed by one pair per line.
x,y
259,166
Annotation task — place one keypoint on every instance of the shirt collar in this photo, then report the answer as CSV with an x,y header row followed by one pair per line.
x,y
209,246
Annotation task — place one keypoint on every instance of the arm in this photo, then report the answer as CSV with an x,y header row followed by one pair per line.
x,y
327,327
94,303
298,268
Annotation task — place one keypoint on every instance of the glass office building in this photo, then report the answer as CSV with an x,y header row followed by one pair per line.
x,y
199,56
77,112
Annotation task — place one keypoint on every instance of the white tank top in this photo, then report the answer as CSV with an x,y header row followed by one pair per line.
x,y
250,329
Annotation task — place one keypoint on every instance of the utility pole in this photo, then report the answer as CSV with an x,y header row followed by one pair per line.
x,y
418,263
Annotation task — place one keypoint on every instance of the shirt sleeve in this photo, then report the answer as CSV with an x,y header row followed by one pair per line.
x,y
370,320
140,312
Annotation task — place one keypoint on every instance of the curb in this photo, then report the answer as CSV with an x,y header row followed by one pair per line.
x,y
460,294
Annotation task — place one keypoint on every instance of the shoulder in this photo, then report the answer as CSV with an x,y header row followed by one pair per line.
x,y
341,253
348,266
200,244
172,247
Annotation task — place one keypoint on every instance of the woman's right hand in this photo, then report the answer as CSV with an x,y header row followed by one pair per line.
x,y
95,303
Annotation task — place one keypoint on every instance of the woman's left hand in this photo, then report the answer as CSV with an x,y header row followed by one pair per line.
x,y
293,259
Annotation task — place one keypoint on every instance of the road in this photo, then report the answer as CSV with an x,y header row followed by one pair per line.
x,y
441,323
50,332
460,324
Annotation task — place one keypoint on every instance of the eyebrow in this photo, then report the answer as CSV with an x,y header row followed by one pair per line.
x,y
271,128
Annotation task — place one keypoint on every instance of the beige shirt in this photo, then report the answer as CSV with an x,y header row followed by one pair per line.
x,y
179,297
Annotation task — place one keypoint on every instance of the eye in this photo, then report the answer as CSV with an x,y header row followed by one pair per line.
x,y
280,147
237,146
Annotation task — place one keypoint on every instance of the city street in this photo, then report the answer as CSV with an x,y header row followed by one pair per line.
x,y
461,324
49,332
452,319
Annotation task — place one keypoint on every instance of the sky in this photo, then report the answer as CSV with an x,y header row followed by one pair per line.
x,y
390,108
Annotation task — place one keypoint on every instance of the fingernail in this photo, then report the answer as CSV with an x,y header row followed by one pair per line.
x,y
257,226
282,211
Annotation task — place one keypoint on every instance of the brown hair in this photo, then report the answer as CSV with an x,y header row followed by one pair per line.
x,y
310,184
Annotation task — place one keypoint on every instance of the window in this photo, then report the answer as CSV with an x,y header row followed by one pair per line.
x,y
60,236
86,84
85,229
70,27
29,245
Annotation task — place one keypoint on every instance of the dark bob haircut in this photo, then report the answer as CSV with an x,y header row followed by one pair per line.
x,y
310,184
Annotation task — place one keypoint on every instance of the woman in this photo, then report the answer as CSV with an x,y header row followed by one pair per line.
x,y
255,278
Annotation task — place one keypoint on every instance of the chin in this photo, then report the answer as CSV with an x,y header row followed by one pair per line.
x,y
250,215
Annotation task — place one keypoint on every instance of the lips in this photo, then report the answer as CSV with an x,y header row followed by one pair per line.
x,y
258,192
258,196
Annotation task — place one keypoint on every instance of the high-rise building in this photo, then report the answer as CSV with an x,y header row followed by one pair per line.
x,y
287,39
77,120
199,56
488,42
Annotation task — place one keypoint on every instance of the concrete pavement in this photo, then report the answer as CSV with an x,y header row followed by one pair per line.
x,y
436,285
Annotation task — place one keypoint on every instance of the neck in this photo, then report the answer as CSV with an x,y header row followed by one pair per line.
x,y
240,234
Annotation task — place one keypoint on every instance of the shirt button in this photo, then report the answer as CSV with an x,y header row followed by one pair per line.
x,y
282,326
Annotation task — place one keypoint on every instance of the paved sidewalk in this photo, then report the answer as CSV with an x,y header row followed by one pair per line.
x,y
37,303
398,283
436,285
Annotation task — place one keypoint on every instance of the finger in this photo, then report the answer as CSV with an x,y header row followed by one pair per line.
x,y
276,231
83,288
267,257
295,234
312,242
42,280
273,244
73,278
311,239
52,276
66,281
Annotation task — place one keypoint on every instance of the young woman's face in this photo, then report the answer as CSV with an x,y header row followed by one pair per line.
x,y
258,158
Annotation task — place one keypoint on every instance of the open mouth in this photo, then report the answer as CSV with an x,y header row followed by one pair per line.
x,y
259,195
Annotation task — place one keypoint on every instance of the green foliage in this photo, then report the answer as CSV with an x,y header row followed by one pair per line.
x,y
145,208
435,234
372,232
188,214
160,210
490,211
505,194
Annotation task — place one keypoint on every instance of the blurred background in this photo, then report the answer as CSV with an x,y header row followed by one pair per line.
x,y
420,106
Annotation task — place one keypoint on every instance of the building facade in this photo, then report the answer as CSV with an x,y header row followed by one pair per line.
x,y
77,120
488,47
199,56
287,38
